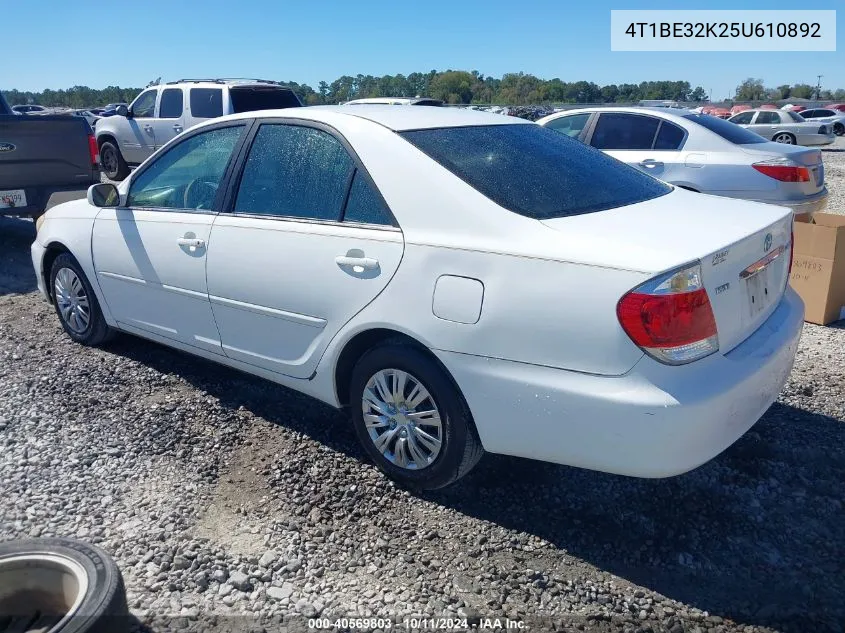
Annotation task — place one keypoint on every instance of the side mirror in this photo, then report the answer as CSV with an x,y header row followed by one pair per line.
x,y
103,194
122,110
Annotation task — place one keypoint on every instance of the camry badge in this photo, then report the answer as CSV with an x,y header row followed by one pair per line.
x,y
767,243
7,147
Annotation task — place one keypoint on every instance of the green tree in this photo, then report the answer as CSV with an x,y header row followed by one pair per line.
x,y
699,94
452,86
803,91
751,90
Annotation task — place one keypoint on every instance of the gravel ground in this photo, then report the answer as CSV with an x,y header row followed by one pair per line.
x,y
220,494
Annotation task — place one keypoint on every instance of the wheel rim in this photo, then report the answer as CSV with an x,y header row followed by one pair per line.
x,y
109,159
46,591
786,139
72,300
402,419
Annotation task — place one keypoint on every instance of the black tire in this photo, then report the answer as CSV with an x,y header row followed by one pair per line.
x,y
838,129
97,331
461,448
102,608
112,162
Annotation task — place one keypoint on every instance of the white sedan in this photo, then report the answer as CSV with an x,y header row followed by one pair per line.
x,y
461,281
701,153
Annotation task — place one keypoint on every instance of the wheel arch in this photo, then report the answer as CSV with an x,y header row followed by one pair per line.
x,y
363,341
52,251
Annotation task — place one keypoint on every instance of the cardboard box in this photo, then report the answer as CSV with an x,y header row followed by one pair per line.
x,y
818,266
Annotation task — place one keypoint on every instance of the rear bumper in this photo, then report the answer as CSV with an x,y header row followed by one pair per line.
x,y
38,197
655,421
816,139
809,204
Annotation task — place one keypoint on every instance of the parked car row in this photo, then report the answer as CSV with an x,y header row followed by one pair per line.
x,y
460,281
785,126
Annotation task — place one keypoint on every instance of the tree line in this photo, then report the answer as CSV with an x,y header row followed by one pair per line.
x,y
456,87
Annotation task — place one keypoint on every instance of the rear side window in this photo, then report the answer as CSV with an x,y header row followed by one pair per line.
x,y
624,131
206,103
669,136
767,117
535,172
171,104
365,205
295,171
249,99
726,129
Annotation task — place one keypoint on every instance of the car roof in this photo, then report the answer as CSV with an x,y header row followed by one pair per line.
x,y
391,117
667,113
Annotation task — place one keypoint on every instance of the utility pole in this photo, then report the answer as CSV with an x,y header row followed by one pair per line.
x,y
819,87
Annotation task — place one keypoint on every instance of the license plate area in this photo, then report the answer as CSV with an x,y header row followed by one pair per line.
x,y
12,198
758,293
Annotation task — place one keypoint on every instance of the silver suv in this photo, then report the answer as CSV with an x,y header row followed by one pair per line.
x,y
161,112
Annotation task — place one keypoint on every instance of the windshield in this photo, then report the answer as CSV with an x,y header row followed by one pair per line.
x,y
249,99
534,171
729,131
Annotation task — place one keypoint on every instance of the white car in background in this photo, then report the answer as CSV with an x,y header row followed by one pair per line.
x,y
418,101
701,153
784,126
161,112
462,281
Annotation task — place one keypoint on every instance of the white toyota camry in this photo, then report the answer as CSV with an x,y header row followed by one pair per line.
x,y
461,281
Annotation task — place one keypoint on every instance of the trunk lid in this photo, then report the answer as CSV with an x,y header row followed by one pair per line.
x,y
810,158
727,236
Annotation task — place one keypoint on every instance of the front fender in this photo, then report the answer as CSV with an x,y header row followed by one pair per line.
x,y
69,227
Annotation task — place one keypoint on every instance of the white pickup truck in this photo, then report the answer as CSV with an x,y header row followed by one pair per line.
x,y
161,112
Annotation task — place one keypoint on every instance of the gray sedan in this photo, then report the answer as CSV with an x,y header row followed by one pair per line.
x,y
783,126
833,118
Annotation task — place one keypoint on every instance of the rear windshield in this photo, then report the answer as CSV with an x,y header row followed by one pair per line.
x,y
729,131
251,99
795,116
534,171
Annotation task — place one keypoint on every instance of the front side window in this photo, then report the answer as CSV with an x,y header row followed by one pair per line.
x,y
206,103
295,171
571,125
171,104
743,118
188,175
144,106
535,172
624,132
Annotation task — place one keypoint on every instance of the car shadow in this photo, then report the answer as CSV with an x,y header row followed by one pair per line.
x,y
736,537
16,235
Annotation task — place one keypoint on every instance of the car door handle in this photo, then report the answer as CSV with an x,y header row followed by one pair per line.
x,y
178,128
148,128
367,263
190,242
650,162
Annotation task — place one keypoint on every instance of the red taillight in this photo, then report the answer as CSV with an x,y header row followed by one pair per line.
x,y
93,150
670,317
784,173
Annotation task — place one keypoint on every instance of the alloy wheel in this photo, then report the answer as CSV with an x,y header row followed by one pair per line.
x,y
402,419
786,139
72,300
